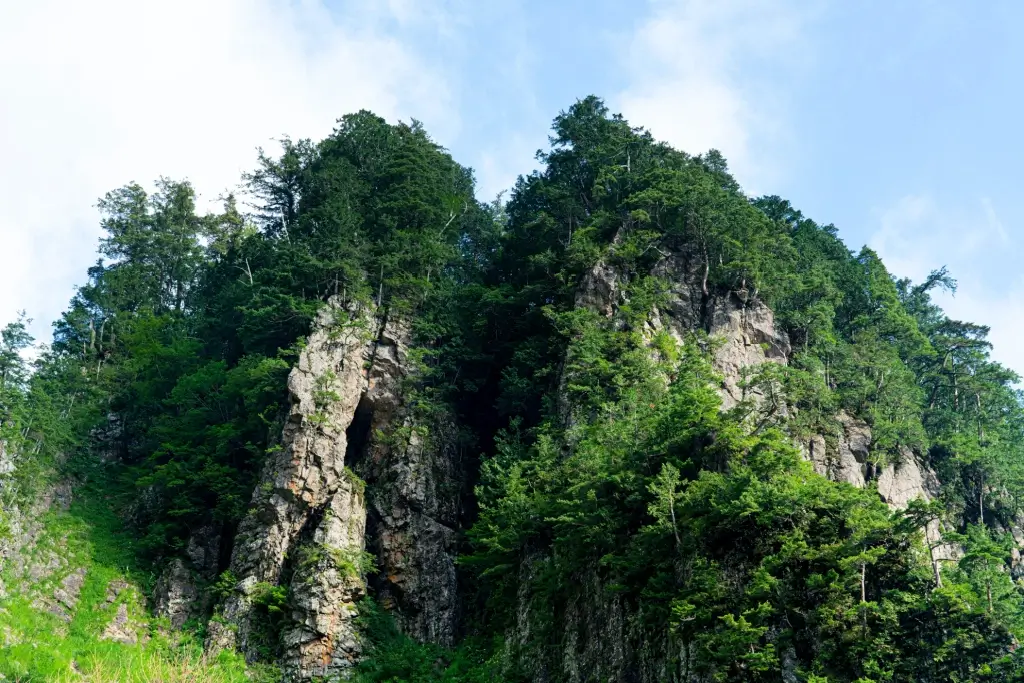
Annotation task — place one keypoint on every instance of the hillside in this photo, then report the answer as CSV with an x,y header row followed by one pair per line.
x,y
628,425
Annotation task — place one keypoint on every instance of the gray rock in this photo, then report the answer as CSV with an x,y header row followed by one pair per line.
x,y
71,588
121,629
848,460
203,550
307,471
321,639
742,327
6,460
413,490
748,340
599,637
348,401
62,495
906,480
65,597
176,594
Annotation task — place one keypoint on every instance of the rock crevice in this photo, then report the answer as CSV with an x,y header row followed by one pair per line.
x,y
351,449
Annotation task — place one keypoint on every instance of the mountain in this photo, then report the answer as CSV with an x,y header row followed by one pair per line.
x,y
628,425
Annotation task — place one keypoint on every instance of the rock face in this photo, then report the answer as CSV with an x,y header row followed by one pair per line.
x,y
598,638
849,460
176,595
320,639
413,487
749,339
22,561
124,626
907,480
300,483
743,329
65,596
307,525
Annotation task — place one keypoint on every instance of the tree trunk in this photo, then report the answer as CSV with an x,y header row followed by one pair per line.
x,y
981,502
707,270
675,529
931,556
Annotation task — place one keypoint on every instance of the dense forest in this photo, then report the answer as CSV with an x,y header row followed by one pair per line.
x,y
593,494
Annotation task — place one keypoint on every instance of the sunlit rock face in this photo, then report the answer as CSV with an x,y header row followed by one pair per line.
x,y
352,459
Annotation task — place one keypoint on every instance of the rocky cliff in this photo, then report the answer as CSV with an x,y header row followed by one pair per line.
x,y
601,636
354,472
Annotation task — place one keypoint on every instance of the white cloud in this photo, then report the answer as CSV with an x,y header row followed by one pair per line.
x,y
695,82
917,234
97,94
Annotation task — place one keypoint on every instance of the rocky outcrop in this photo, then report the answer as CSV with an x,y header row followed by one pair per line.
x,y
848,459
349,417
127,625
176,595
413,487
741,328
748,339
23,562
302,478
906,480
595,635
65,596
203,551
320,639
6,462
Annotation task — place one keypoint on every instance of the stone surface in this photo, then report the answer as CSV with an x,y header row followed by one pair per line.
x,y
308,518
203,551
906,480
120,629
65,596
847,460
20,558
748,339
321,639
743,328
6,460
124,626
305,473
176,595
599,638
413,486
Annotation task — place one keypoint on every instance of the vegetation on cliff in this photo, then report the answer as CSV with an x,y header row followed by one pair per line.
x,y
604,469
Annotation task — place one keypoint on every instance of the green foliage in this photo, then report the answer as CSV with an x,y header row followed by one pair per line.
x,y
395,658
706,523
38,645
606,466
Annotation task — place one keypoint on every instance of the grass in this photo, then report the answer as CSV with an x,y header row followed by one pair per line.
x,y
36,645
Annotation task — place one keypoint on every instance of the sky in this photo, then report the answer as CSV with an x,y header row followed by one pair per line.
x,y
899,123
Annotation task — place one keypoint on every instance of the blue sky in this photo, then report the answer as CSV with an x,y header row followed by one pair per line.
x,y
897,122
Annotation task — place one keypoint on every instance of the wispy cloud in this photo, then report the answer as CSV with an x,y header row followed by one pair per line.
x,y
696,78
96,94
918,234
